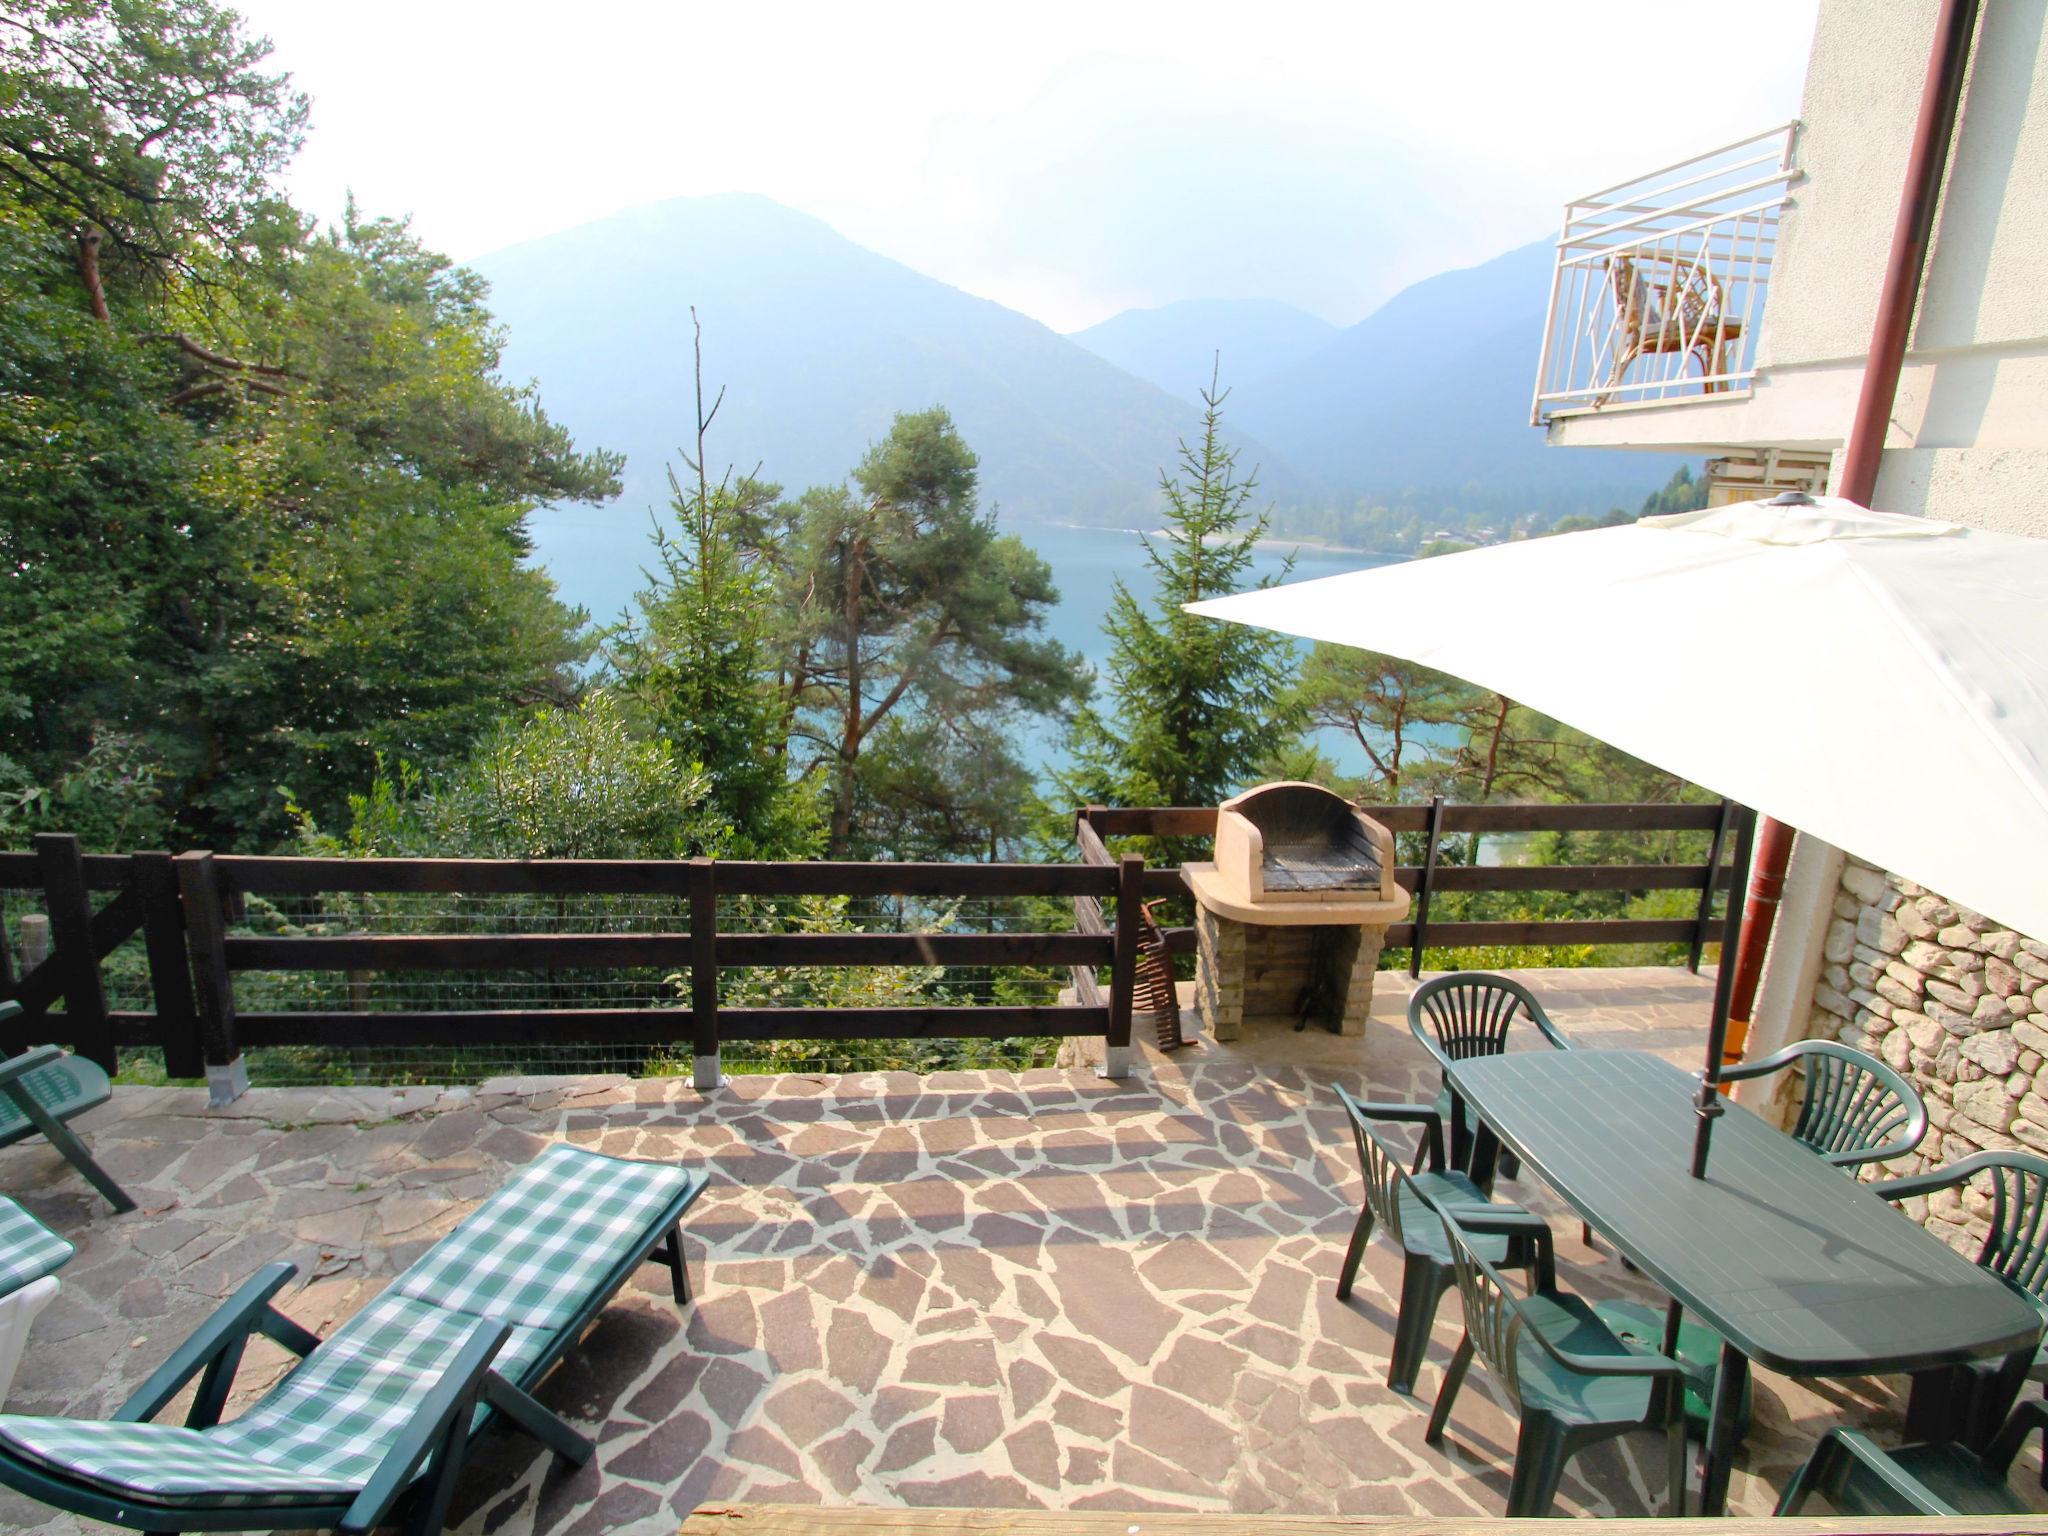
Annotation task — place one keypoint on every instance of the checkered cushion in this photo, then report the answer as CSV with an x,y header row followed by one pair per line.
x,y
163,1463
28,1249
533,1253
336,1415
65,1088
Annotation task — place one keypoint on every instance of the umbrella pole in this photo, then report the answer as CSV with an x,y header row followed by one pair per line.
x,y
1708,1105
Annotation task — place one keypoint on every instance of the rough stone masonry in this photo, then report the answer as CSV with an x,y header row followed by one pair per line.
x,y
1958,1004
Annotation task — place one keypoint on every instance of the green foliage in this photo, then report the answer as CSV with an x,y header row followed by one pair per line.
x,y
699,661
151,120
265,513
575,783
1193,707
111,799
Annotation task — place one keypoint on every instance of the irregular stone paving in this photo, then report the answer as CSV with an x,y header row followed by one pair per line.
x,y
968,1289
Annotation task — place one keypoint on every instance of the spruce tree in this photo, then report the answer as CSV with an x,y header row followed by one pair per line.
x,y
700,662
1191,707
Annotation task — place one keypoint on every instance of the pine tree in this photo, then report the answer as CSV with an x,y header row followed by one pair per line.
x,y
1193,707
700,662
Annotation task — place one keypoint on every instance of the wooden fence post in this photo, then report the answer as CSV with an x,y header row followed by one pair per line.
x,y
1123,971
70,905
707,1073
1435,835
170,968
227,1075
1703,931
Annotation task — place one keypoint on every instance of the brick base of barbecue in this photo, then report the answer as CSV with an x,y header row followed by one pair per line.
x,y
1253,974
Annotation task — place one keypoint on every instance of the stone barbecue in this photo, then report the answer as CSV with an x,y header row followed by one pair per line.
x,y
1291,915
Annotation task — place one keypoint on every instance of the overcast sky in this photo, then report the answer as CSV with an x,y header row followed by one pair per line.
x,y
1069,160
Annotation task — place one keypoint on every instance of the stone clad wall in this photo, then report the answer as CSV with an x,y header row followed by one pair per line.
x,y
1956,1003
1253,973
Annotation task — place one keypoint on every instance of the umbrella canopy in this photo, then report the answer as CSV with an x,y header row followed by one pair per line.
x,y
1879,681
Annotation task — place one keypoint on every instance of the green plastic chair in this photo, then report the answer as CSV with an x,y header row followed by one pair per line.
x,y
1853,1109
1404,1207
1572,1380
40,1090
1969,1402
1937,1478
1468,1014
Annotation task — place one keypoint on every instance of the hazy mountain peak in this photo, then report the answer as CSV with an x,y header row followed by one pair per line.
x,y
1175,345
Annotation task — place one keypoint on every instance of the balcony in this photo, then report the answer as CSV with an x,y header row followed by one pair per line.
x,y
1660,283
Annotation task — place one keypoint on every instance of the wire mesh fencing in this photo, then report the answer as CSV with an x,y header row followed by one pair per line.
x,y
652,988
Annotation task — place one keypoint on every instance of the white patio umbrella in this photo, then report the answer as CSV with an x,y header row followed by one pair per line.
x,y
1879,681
1876,680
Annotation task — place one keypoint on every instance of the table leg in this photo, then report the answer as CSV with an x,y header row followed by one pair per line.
x,y
1482,1159
1717,1457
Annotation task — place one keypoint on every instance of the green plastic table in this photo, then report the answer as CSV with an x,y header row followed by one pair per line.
x,y
1796,1266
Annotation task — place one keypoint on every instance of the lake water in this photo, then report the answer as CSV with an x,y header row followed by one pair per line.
x,y
598,556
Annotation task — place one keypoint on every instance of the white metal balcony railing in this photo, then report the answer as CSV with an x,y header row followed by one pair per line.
x,y
1660,281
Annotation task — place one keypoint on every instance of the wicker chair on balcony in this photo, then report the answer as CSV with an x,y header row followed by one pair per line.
x,y
1663,307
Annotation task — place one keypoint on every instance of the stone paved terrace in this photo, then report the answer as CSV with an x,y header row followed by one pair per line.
x,y
970,1289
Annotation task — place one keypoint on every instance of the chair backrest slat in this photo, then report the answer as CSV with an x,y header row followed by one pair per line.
x,y
1492,1320
1471,1012
1380,1166
2017,1246
1852,1103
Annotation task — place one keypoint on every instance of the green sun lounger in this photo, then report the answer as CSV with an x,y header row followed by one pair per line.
x,y
40,1090
385,1408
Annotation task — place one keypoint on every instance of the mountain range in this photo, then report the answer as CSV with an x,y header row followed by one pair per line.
x,y
1176,346
819,342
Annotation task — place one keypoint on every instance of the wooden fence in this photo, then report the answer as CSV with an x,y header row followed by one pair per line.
x,y
1438,820
184,908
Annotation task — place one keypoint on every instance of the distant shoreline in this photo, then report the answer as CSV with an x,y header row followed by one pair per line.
x,y
1271,541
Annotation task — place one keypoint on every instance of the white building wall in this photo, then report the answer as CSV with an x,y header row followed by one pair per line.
x,y
1969,436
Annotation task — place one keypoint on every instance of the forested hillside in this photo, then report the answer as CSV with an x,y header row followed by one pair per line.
x,y
264,494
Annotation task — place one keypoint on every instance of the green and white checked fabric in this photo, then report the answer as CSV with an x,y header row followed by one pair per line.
x,y
166,1463
336,1415
64,1088
28,1249
532,1256
533,1253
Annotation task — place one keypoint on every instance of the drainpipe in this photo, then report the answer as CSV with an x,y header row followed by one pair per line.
x,y
1941,99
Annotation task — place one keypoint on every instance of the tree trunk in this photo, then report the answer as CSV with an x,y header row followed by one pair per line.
x,y
849,743
89,273
1501,705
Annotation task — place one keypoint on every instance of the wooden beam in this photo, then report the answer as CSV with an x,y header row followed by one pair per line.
x,y
1155,821
1093,849
268,875
618,951
1581,818
1574,877
658,1026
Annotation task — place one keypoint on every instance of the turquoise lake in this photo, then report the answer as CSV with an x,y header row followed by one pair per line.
x,y
597,558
